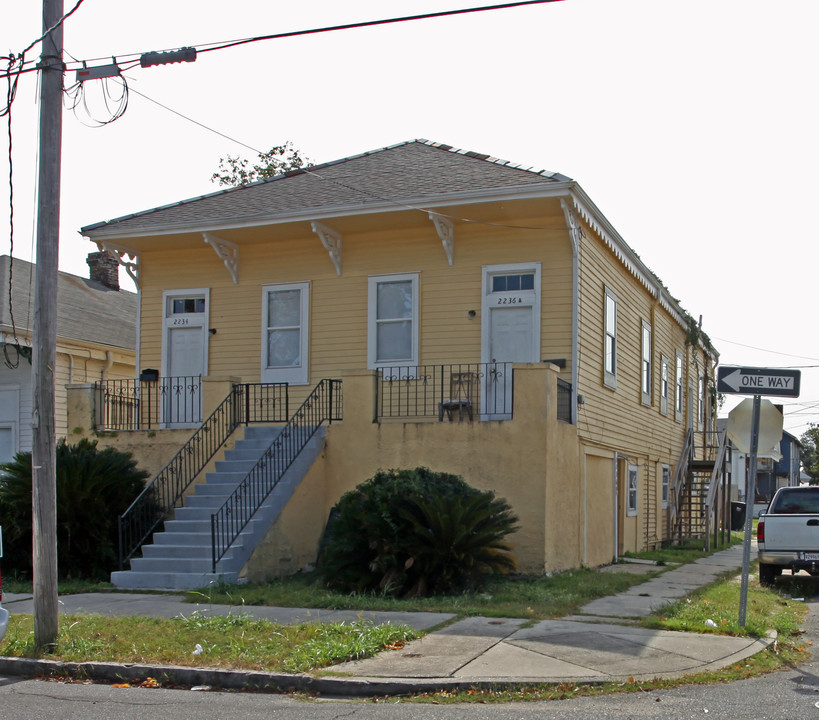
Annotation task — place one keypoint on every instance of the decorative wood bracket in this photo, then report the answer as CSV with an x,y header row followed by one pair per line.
x,y
331,241
117,252
575,230
228,252
446,231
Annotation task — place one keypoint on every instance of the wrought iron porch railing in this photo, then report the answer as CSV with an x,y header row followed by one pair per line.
x,y
148,404
324,404
246,403
419,391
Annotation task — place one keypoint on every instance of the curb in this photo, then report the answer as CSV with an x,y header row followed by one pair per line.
x,y
259,681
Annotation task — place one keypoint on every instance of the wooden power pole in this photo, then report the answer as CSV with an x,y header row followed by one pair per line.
x,y
44,471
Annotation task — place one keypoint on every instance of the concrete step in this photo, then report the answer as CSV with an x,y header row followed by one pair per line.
x,y
181,556
128,579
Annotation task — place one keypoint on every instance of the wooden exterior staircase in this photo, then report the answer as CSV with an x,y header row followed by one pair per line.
x,y
701,505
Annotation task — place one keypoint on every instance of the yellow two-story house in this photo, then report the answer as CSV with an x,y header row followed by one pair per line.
x,y
477,317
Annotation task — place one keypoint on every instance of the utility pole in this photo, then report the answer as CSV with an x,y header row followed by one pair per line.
x,y
43,456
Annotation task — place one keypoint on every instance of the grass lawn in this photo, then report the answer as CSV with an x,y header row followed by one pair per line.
x,y
536,597
238,641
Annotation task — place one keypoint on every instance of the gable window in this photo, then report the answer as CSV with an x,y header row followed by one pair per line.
x,y
678,389
285,333
646,368
631,496
610,342
392,320
664,385
666,484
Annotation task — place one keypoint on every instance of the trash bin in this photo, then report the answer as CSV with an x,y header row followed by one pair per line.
x,y
737,515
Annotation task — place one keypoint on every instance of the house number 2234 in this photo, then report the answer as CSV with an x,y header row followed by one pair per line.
x,y
180,321
509,300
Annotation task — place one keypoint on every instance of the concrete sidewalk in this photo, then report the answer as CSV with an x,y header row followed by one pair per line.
x,y
598,644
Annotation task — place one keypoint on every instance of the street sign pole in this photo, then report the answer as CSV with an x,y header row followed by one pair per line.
x,y
750,494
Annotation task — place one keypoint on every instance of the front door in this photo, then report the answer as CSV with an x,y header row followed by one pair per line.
x,y
184,359
510,332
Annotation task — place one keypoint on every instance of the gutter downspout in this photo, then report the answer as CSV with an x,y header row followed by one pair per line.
x,y
575,233
109,363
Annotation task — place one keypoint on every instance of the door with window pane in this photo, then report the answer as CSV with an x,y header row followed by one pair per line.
x,y
511,332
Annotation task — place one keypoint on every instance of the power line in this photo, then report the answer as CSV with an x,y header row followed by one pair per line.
x,y
774,352
223,45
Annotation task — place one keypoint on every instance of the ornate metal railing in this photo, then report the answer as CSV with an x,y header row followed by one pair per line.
x,y
324,404
149,404
246,403
463,391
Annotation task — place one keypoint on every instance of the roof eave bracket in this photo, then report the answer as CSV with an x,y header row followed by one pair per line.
x,y
446,231
331,240
117,252
227,251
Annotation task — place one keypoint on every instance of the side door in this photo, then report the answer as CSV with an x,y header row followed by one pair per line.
x,y
510,332
184,356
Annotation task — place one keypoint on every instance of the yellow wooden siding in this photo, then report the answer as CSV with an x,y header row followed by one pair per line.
x,y
338,305
642,432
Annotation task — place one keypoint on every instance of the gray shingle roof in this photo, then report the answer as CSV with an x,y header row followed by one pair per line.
x,y
400,174
86,310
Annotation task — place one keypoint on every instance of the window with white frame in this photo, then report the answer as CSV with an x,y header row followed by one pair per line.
x,y
392,320
664,385
610,342
285,318
678,388
701,401
666,471
646,367
631,490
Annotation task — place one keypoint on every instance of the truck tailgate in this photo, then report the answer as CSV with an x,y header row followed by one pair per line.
x,y
791,532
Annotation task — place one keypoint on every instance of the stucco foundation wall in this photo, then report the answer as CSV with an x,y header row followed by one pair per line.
x,y
533,461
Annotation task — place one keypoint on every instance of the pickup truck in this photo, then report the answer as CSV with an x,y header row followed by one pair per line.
x,y
788,533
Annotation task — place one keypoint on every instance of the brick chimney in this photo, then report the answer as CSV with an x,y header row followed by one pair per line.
x,y
104,269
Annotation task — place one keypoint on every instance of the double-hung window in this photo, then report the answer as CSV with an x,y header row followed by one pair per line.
x,y
393,320
610,342
666,484
646,366
631,497
664,385
678,388
285,318
701,401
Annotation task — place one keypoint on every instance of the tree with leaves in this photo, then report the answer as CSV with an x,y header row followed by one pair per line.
x,y
810,452
280,159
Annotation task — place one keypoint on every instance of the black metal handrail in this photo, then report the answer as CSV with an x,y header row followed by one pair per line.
x,y
245,403
138,404
418,391
324,404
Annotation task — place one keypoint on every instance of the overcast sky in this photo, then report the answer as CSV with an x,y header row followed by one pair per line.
x,y
692,126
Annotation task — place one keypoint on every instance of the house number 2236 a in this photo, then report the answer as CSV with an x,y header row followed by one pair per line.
x,y
509,301
180,321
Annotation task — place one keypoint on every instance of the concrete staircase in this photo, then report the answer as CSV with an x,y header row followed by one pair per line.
x,y
180,556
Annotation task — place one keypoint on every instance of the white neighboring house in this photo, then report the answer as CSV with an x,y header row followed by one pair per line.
x,y
96,340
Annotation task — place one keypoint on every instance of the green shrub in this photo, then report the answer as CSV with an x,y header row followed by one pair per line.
x,y
93,488
416,532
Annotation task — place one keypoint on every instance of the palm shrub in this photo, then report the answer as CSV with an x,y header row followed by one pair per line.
x,y
93,488
416,532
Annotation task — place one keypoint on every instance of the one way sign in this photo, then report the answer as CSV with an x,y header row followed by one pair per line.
x,y
758,381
